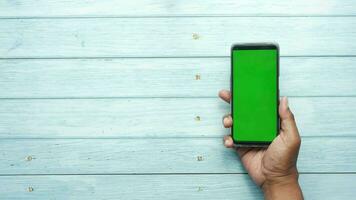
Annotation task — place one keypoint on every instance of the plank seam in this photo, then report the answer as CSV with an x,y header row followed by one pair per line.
x,y
171,16
161,57
161,174
155,138
153,97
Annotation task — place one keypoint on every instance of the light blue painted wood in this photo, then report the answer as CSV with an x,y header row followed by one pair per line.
x,y
173,37
149,142
231,186
175,155
157,117
166,77
45,8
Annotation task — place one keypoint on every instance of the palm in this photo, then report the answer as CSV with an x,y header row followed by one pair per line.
x,y
251,159
262,163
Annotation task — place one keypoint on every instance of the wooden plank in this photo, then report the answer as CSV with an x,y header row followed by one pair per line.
x,y
167,117
166,77
179,155
55,8
225,186
129,187
178,37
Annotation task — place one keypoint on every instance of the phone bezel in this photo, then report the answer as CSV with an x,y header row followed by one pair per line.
x,y
254,46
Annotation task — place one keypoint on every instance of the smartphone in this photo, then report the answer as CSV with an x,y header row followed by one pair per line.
x,y
254,93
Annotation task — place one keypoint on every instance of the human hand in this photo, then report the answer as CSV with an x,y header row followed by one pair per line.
x,y
274,168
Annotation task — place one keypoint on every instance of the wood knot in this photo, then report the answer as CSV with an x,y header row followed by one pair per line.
x,y
195,36
197,77
29,158
200,189
30,189
200,158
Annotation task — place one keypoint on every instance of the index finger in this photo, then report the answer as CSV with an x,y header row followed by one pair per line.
x,y
225,95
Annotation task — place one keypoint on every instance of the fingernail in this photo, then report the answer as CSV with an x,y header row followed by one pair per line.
x,y
285,99
224,117
225,142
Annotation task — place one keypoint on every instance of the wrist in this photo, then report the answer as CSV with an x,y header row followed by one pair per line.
x,y
284,187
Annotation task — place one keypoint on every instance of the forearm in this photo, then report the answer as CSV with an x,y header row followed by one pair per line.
x,y
286,189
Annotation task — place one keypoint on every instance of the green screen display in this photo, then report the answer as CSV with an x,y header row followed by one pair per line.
x,y
254,95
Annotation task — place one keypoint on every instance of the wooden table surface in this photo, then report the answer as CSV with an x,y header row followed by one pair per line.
x,y
118,99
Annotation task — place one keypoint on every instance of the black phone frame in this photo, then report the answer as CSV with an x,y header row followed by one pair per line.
x,y
254,46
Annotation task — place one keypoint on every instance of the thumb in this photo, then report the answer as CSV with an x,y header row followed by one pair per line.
x,y
288,126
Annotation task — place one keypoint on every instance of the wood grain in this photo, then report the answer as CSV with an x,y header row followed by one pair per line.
x,y
173,37
179,155
79,8
157,117
100,100
164,77
226,186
